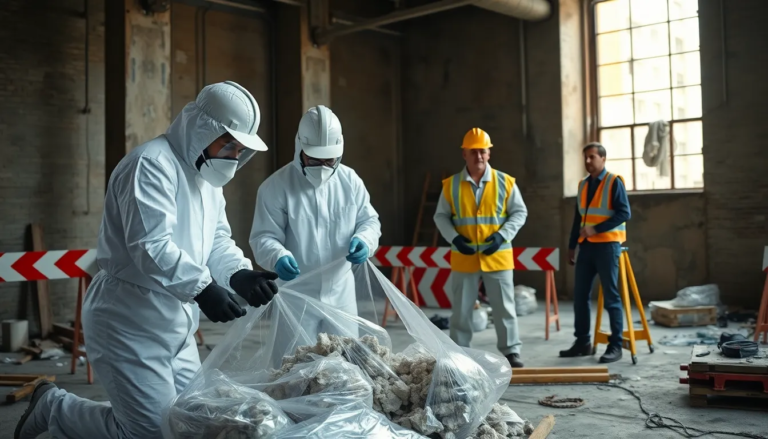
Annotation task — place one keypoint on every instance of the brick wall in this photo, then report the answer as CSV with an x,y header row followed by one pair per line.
x,y
52,170
735,156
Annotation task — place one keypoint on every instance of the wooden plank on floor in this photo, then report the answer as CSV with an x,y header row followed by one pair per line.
x,y
558,370
717,362
43,296
563,378
26,389
544,428
728,402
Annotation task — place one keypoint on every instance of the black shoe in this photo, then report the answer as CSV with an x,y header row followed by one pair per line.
x,y
612,354
37,426
577,350
514,360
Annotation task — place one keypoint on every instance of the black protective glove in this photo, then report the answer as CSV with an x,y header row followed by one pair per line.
x,y
461,245
218,304
496,239
256,287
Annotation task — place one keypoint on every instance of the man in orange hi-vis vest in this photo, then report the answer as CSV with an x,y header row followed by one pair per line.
x,y
480,211
599,229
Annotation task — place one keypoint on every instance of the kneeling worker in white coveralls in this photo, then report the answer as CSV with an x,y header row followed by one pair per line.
x,y
164,254
314,211
480,211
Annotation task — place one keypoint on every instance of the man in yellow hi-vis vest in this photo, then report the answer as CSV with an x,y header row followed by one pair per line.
x,y
598,230
480,211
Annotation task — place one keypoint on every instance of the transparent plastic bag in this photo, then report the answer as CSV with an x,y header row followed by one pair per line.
x,y
525,300
351,421
479,319
432,387
702,295
214,406
311,389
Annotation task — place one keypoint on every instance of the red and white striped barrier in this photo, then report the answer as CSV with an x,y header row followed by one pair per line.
x,y
526,258
765,259
431,267
45,265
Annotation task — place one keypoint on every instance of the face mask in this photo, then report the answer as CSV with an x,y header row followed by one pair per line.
x,y
318,175
218,171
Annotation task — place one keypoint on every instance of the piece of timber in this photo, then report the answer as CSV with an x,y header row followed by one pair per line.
x,y
544,428
563,378
558,370
23,359
64,330
27,389
43,297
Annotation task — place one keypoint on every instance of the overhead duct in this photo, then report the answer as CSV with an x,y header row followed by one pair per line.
x,y
533,10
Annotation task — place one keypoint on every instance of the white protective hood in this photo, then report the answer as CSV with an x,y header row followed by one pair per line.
x,y
219,108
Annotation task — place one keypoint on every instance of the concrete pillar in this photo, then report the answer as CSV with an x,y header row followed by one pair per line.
x,y
137,77
303,70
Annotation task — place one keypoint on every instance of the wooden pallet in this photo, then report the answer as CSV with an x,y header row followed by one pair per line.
x,y
716,362
26,385
722,382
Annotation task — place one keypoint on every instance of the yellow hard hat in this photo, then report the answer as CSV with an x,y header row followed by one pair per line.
x,y
476,139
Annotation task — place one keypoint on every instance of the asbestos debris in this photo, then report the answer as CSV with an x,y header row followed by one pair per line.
x,y
417,392
226,411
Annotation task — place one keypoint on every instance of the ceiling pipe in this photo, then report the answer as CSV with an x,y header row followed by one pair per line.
x,y
524,9
532,10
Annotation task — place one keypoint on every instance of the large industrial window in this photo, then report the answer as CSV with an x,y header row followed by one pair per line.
x,y
647,71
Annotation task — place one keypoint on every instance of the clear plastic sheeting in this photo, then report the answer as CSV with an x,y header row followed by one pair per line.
x,y
311,360
525,300
702,295
215,407
352,421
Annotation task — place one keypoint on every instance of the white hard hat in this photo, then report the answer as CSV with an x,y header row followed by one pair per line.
x,y
236,109
320,135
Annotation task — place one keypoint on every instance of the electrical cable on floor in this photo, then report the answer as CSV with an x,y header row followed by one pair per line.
x,y
656,420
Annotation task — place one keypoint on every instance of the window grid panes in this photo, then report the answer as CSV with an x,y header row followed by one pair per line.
x,y
648,69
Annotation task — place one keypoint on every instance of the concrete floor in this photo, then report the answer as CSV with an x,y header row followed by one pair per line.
x,y
608,412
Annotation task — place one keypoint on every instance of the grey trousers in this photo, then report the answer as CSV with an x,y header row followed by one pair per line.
x,y
500,291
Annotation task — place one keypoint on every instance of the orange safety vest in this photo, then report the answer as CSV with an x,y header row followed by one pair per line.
x,y
600,209
479,222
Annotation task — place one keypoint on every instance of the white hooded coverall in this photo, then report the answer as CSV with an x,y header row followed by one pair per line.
x,y
163,237
315,226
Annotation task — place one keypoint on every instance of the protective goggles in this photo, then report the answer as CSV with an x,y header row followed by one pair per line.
x,y
330,163
232,150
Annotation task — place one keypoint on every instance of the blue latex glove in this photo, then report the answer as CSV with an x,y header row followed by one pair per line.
x,y
496,240
358,251
287,268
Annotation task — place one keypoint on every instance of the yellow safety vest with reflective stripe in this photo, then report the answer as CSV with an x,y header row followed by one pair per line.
x,y
478,222
600,209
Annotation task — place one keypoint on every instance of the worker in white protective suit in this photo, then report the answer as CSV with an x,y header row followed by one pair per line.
x,y
164,254
314,211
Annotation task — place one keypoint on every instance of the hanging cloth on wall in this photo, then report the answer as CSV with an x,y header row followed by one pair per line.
x,y
656,153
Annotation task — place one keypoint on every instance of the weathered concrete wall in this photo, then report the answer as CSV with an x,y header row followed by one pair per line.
x,y
735,157
454,80
237,48
365,88
52,170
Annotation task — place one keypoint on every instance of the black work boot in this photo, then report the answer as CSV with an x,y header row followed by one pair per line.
x,y
514,360
612,354
577,350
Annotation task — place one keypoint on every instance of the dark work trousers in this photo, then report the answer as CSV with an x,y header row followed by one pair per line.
x,y
600,259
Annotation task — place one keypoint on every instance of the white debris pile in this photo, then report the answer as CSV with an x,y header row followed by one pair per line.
x,y
414,390
225,410
310,389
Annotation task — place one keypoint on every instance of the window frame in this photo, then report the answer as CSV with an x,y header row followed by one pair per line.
x,y
592,94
